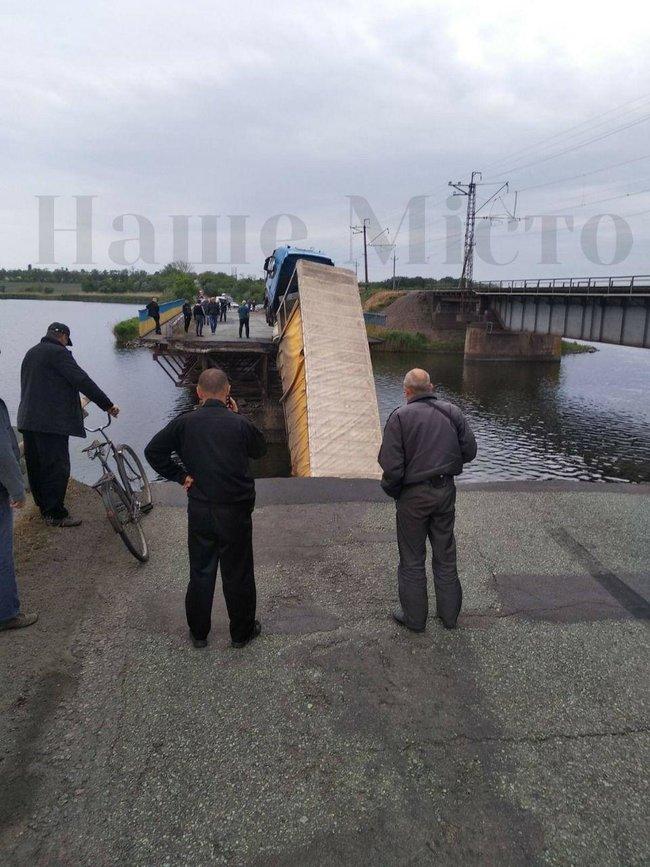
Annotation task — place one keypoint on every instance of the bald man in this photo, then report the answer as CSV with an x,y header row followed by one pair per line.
x,y
426,443
207,451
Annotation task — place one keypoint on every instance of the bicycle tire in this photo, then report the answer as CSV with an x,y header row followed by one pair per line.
x,y
130,469
120,514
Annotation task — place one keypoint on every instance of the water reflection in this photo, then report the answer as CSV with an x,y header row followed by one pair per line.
x,y
577,420
587,418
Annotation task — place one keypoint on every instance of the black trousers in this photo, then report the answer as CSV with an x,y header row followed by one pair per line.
x,y
48,470
156,319
220,536
199,322
222,315
187,320
428,510
243,323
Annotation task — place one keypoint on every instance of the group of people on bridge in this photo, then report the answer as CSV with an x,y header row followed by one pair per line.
x,y
214,310
208,450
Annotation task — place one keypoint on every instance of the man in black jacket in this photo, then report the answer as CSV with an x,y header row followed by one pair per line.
x,y
187,315
153,309
49,413
213,444
425,444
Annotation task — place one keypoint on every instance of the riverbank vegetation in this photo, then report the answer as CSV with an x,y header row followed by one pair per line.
x,y
126,330
412,341
175,280
571,347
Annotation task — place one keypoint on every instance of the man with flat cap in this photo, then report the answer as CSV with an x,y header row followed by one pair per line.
x,y
425,444
49,413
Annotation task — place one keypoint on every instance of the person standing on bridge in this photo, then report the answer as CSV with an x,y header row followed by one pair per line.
x,y
425,444
187,315
49,413
199,318
12,496
213,314
153,310
244,318
223,309
214,444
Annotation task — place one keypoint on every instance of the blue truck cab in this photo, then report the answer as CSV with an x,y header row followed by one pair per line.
x,y
279,268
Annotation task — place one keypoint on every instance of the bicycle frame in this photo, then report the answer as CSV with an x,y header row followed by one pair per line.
x,y
98,450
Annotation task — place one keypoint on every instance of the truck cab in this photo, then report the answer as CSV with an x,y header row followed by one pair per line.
x,y
279,268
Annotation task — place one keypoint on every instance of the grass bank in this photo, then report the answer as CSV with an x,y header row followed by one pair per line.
x,y
570,347
410,341
105,297
126,330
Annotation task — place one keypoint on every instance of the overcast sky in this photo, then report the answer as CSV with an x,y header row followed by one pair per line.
x,y
259,109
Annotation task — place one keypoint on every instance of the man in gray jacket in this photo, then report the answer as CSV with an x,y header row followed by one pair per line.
x,y
12,496
425,444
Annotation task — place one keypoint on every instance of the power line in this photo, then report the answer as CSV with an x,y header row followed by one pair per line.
x,y
582,174
563,133
578,146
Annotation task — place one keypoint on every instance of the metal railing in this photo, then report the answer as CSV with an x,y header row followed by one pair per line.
x,y
637,284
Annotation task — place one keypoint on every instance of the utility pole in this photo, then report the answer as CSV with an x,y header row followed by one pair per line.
x,y
469,190
363,229
394,260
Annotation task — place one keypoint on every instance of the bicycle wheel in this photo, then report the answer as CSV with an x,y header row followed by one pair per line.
x,y
133,476
124,515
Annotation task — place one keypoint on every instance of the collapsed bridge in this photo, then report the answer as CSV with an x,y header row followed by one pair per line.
x,y
311,374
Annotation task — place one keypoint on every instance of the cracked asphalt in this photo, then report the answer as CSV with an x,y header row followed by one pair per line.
x,y
337,737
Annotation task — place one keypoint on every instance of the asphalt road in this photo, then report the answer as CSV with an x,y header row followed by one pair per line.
x,y
337,737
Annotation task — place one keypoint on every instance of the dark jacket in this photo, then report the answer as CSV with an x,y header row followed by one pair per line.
x,y
244,312
213,308
198,311
187,310
427,437
213,446
50,382
153,309
11,477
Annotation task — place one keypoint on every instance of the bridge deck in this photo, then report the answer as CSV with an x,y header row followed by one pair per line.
x,y
226,336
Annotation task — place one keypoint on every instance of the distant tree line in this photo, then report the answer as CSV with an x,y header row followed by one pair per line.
x,y
176,280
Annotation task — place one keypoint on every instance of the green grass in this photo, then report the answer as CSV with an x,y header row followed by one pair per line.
x,y
409,341
126,330
570,347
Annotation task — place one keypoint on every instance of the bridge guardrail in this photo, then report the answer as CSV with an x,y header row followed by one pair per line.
x,y
637,284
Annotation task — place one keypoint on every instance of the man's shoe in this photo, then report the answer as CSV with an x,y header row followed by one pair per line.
x,y
400,617
20,621
63,522
445,624
199,642
257,628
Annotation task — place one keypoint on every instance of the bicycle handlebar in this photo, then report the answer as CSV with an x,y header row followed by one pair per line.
x,y
97,429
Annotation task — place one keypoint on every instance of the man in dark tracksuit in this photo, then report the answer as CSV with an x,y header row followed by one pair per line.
x,y
425,444
214,444
50,412
153,309
223,310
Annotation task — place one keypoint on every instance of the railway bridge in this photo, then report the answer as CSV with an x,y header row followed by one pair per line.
x,y
602,309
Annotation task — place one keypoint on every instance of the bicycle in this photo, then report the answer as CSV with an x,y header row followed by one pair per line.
x,y
126,499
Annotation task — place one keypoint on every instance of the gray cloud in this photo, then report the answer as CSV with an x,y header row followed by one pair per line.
x,y
262,109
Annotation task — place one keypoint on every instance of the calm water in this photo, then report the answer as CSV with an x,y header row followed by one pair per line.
x,y
587,418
